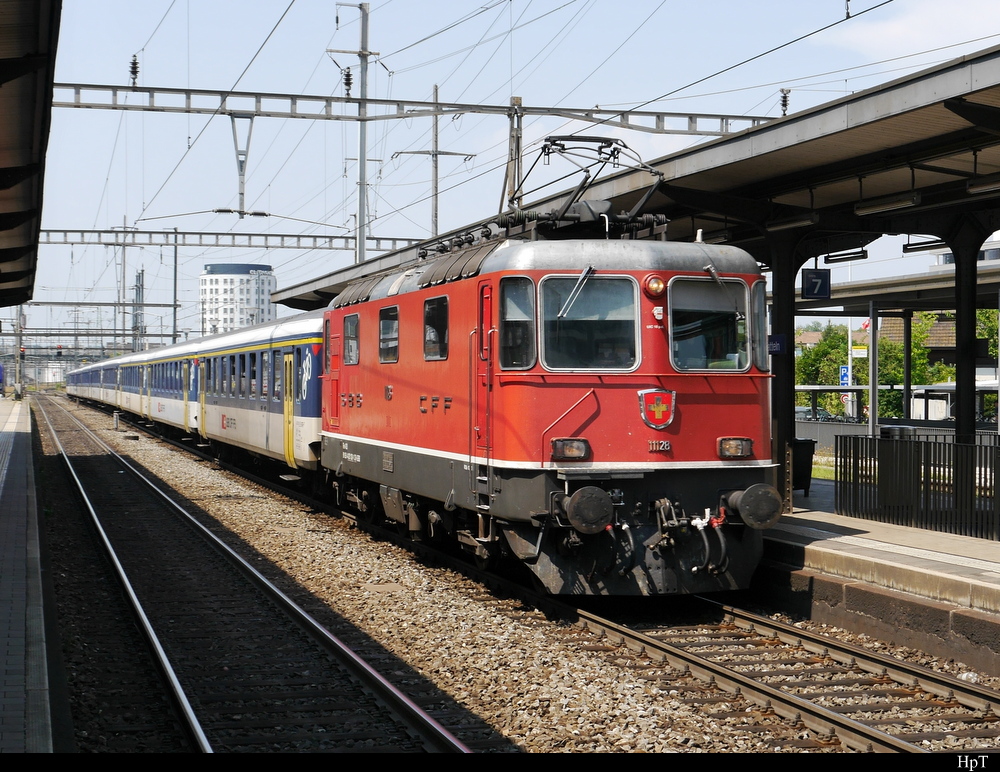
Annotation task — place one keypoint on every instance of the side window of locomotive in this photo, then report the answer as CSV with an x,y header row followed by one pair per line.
x,y
436,328
388,334
758,299
517,323
351,348
708,325
589,324
327,346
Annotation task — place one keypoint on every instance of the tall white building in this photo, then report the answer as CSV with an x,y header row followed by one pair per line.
x,y
235,295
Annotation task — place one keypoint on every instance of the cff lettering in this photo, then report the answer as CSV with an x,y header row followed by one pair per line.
x,y
967,761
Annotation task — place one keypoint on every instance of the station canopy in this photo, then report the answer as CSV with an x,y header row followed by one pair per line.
x,y
28,36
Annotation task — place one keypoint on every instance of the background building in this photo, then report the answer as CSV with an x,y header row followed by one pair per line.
x,y
235,295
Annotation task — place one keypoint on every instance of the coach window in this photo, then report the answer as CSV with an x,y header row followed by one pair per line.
x,y
232,375
436,328
265,373
708,324
243,376
517,323
388,334
297,386
352,350
278,368
253,375
589,323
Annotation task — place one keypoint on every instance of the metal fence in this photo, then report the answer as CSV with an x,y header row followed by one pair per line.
x,y
929,482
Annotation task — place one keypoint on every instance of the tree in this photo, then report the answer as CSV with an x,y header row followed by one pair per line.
x,y
821,364
986,327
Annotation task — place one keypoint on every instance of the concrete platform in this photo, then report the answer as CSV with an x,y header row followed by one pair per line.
x,y
25,724
928,590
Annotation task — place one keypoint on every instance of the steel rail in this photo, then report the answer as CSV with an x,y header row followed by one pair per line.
x,y
969,695
852,733
176,690
436,737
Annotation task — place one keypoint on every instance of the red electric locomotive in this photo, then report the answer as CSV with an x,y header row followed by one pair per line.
x,y
595,409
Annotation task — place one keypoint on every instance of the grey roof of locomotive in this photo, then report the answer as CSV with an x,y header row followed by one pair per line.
x,y
560,256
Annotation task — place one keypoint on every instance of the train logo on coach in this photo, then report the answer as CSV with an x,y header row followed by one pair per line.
x,y
656,406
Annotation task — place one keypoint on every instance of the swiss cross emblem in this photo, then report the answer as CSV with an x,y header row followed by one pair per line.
x,y
656,406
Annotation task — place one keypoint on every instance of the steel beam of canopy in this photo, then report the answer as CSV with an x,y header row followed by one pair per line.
x,y
312,107
130,238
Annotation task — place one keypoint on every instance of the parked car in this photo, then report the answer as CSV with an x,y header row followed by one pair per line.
x,y
822,414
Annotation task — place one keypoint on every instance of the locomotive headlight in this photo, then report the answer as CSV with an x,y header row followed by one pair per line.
x,y
654,286
570,449
735,447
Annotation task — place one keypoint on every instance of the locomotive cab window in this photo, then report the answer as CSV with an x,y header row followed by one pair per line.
x,y
708,325
388,334
758,297
589,323
436,328
517,323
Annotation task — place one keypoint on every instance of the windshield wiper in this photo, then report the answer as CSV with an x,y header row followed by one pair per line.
x,y
587,273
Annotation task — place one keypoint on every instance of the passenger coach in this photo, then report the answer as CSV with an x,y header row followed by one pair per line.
x,y
254,389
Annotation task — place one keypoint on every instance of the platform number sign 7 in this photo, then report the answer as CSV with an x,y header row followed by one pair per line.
x,y
815,283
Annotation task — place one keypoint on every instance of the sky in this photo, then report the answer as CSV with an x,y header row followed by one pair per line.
x,y
112,169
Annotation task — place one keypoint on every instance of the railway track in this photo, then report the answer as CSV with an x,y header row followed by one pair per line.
x,y
840,693
804,690
248,670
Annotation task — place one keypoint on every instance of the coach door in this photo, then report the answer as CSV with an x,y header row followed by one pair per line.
x,y
186,391
202,382
146,398
289,409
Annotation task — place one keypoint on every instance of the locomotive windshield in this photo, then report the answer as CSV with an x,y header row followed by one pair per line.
x,y
708,324
596,331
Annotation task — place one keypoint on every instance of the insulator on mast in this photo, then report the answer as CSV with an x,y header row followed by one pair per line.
x,y
133,69
784,100
348,80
